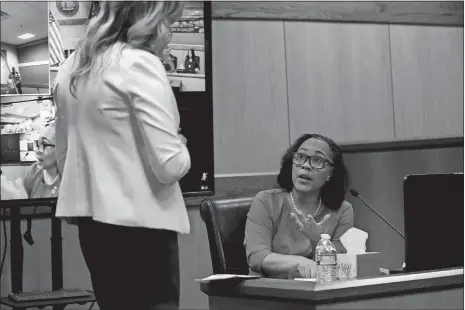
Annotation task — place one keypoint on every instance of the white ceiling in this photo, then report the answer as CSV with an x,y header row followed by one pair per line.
x,y
25,17
20,111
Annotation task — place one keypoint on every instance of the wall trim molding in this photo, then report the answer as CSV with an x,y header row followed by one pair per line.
x,y
186,47
251,174
401,145
381,146
34,63
43,40
445,13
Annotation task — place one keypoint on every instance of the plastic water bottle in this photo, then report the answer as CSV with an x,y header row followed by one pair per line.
x,y
326,260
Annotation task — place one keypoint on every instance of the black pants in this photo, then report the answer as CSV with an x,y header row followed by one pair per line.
x,y
131,268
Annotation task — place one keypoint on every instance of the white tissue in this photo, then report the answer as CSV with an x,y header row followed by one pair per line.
x,y
354,241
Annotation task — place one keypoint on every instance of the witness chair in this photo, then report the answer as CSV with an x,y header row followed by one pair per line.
x,y
225,222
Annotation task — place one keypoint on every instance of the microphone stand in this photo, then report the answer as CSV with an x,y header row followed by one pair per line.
x,y
356,194
379,215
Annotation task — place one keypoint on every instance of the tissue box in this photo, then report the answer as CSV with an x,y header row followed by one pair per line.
x,y
363,265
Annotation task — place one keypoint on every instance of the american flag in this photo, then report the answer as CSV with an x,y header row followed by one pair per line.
x,y
94,9
55,42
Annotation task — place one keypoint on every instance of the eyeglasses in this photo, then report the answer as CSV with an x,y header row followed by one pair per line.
x,y
41,147
316,162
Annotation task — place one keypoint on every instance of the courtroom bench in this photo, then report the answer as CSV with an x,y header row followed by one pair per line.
x,y
440,289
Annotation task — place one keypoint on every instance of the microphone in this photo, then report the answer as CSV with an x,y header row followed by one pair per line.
x,y
356,194
28,234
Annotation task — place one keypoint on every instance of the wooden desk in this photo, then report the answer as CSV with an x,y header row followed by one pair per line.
x,y
441,289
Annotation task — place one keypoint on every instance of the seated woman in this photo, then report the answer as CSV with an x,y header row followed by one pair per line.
x,y
191,63
42,179
284,225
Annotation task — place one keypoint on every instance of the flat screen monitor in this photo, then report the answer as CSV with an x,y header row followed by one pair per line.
x,y
189,70
24,59
433,214
190,74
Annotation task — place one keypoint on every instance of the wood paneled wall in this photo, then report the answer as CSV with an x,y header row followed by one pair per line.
x,y
356,83
395,12
251,123
427,69
339,81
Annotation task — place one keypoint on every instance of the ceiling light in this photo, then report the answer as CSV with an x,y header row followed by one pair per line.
x,y
26,36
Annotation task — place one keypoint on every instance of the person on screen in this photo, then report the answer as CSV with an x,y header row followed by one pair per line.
x,y
191,63
284,225
42,179
121,155
16,77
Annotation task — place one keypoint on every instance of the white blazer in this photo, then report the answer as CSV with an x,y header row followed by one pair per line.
x,y
117,144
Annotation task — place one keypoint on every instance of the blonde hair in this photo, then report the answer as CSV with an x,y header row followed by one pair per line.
x,y
144,25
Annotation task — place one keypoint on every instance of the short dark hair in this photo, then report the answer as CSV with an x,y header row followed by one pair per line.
x,y
334,191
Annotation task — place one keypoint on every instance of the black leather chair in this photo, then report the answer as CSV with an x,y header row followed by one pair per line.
x,y
225,222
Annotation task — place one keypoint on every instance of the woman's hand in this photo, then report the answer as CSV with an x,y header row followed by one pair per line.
x,y
182,137
306,268
12,190
21,192
309,227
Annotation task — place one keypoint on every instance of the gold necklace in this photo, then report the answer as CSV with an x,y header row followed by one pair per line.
x,y
297,210
45,177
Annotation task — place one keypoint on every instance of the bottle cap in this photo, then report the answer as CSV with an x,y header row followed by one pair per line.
x,y
325,236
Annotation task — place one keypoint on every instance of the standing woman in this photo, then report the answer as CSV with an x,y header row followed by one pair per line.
x,y
121,156
16,80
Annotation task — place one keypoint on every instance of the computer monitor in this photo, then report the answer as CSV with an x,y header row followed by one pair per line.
x,y
189,70
25,64
433,215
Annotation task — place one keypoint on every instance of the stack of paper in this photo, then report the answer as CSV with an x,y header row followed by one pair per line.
x,y
219,277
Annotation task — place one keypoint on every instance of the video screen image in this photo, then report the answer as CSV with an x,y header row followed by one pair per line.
x,y
24,57
185,64
27,159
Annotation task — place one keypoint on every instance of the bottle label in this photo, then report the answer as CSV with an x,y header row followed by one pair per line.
x,y
326,259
